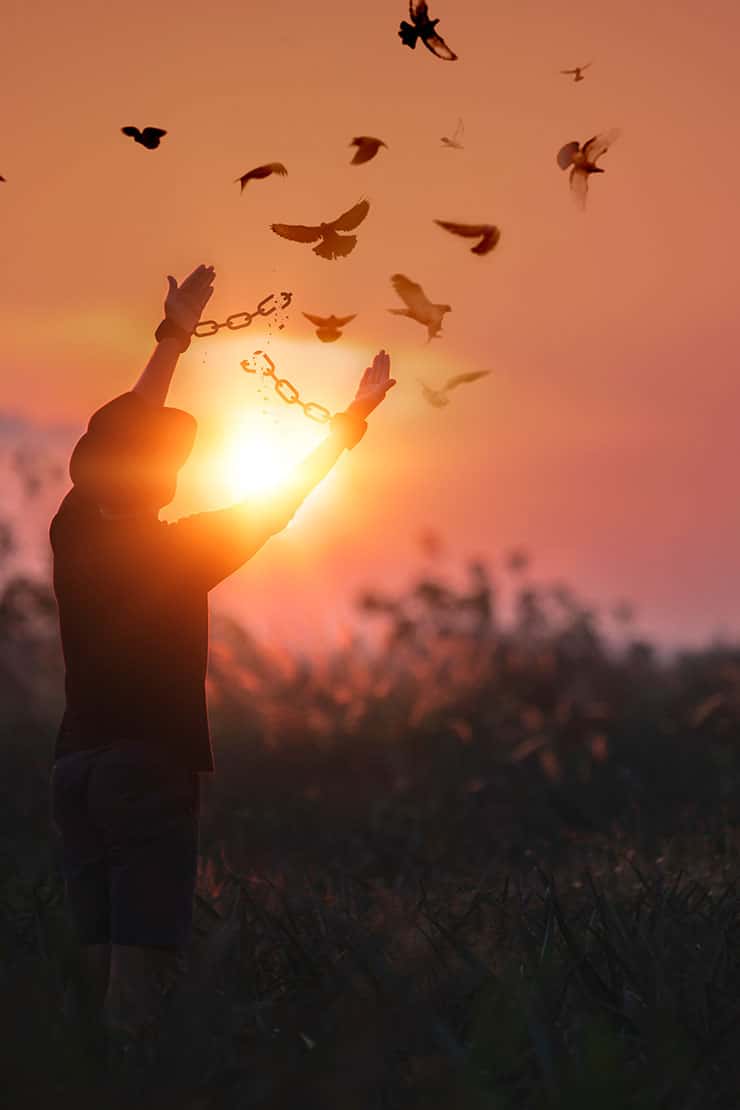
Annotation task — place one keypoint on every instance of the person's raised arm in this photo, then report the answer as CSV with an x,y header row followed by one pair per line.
x,y
347,428
220,542
182,311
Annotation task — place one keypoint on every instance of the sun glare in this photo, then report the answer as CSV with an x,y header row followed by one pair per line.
x,y
263,443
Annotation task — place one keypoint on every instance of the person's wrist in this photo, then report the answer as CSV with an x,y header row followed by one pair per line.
x,y
169,329
350,425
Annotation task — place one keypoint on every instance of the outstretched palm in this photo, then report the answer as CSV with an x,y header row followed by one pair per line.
x,y
185,303
374,384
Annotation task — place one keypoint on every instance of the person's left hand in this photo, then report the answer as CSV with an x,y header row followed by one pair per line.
x,y
185,303
374,384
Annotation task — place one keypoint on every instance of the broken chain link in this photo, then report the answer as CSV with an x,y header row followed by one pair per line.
x,y
287,391
242,319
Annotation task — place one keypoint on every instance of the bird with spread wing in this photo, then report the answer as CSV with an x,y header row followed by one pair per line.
x,y
582,161
418,305
331,245
438,397
259,172
328,327
424,28
488,234
577,72
367,148
455,143
149,137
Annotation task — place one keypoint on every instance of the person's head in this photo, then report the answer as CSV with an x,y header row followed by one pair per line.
x,y
128,459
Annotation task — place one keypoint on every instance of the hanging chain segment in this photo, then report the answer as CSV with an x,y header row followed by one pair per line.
x,y
242,319
286,390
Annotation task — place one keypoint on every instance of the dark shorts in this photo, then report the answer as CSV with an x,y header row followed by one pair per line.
x,y
129,829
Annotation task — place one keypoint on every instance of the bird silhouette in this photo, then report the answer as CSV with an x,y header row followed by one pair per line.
x,y
2,179
577,73
419,307
259,172
422,27
489,234
331,245
438,397
455,143
582,161
367,148
149,137
327,327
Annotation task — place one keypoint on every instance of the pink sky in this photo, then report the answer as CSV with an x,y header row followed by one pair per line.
x,y
605,441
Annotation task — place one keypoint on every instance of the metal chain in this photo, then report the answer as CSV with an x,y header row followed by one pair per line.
x,y
242,319
287,390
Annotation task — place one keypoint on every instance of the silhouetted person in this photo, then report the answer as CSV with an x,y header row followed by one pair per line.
x,y
132,593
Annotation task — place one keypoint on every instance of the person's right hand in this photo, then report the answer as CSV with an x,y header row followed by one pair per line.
x,y
185,303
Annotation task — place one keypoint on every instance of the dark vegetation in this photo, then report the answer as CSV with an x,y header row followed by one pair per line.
x,y
490,863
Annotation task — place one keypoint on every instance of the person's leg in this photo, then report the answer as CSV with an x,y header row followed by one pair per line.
x,y
151,824
86,882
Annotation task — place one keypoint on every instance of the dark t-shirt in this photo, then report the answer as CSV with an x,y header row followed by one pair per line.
x,y
133,613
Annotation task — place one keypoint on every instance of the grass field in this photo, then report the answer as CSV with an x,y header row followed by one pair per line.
x,y
489,864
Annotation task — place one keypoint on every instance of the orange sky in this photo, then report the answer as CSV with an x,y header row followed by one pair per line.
x,y
605,442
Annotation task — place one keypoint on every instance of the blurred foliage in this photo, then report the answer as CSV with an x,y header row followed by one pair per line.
x,y
488,862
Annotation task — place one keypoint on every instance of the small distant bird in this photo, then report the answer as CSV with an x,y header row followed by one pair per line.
x,y
367,148
577,73
327,327
2,179
149,137
261,171
582,160
422,27
419,307
331,245
455,143
439,398
489,234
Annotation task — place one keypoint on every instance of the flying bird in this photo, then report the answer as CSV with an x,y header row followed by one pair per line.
x,y
455,143
489,234
422,27
149,137
419,307
577,73
327,327
331,245
259,172
367,148
438,397
582,161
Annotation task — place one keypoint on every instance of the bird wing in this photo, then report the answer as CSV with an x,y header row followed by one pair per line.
x,y
570,72
365,151
341,321
319,321
412,294
439,47
461,379
132,131
585,67
277,167
350,219
299,233
418,11
599,144
153,132
469,231
579,186
565,154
